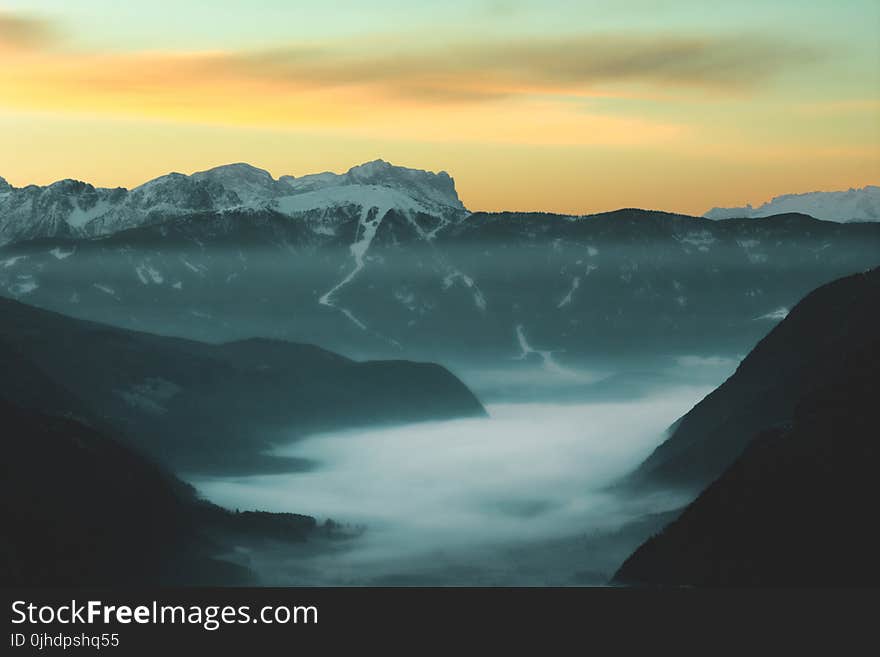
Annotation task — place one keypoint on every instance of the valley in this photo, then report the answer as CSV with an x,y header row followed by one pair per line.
x,y
351,379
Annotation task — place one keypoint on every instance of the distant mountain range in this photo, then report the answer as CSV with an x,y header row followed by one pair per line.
x,y
384,261
845,206
71,208
791,443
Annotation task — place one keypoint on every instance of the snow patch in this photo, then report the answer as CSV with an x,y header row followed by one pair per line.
x,y
775,315
79,217
25,285
10,262
479,299
60,254
197,269
575,284
547,360
148,274
106,289
706,361
702,240
364,196
406,298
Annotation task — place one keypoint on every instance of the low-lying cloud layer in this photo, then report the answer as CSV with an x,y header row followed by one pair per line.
x,y
441,497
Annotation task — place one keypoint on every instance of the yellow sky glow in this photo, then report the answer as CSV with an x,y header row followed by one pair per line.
x,y
676,123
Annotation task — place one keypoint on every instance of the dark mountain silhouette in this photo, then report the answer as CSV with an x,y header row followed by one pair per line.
x,y
798,506
201,406
78,508
796,358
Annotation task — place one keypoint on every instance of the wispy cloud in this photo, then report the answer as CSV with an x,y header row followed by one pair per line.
x,y
22,32
501,90
481,71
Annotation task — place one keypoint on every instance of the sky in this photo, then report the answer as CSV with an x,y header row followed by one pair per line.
x,y
559,105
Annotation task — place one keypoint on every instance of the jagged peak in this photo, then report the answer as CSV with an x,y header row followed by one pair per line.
x,y
380,166
438,187
372,167
69,183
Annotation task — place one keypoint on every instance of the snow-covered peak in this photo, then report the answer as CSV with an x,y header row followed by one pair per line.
x,y
425,185
370,169
69,186
253,186
429,188
71,207
843,206
176,191
4,186
235,171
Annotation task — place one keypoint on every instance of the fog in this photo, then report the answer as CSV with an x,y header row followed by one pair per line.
x,y
519,498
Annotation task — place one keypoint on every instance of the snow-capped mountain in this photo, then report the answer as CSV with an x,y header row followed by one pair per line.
x,y
433,190
70,208
845,206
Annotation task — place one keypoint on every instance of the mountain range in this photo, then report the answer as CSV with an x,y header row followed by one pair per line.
x,y
845,206
70,208
128,354
384,261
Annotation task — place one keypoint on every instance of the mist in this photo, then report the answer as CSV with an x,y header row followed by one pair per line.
x,y
523,497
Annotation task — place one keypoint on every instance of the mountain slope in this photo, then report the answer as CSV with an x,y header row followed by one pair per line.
x,y
396,284
807,349
78,508
797,508
851,205
199,406
95,514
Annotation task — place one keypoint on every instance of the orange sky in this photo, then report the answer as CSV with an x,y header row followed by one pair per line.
x,y
672,116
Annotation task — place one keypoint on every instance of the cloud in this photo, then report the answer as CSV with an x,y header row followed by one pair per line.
x,y
466,72
19,32
535,91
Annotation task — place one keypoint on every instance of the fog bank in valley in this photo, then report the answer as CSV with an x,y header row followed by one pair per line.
x,y
519,498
